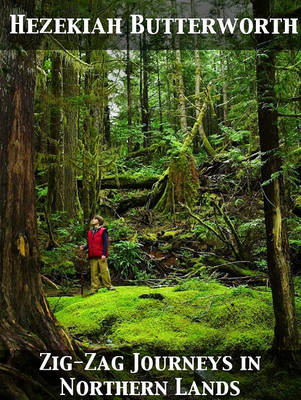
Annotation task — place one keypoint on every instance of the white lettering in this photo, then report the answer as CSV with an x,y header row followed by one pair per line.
x,y
45,361
69,388
14,24
72,27
32,23
242,26
59,26
90,361
137,23
260,26
290,23
228,25
275,22
208,24
45,25
114,26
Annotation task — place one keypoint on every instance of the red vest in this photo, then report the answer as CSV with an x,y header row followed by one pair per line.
x,y
95,244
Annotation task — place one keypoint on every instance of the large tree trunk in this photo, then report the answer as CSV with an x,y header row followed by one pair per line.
x,y
42,111
56,140
88,115
286,336
27,326
71,88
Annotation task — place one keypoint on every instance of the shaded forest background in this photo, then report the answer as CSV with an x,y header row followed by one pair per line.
x,y
110,124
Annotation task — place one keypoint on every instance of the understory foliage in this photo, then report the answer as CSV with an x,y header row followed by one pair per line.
x,y
166,146
163,174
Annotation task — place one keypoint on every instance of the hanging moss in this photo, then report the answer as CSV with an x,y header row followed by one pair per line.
x,y
182,184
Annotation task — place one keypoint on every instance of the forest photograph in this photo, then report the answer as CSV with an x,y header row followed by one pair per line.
x,y
150,204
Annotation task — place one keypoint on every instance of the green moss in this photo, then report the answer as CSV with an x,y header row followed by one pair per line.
x,y
165,246
196,315
182,184
171,234
150,236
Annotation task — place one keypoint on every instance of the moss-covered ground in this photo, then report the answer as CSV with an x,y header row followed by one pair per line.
x,y
196,317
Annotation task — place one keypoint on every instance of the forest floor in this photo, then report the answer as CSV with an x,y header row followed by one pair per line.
x,y
196,317
179,290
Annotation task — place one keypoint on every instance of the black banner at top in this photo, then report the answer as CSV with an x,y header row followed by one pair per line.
x,y
155,24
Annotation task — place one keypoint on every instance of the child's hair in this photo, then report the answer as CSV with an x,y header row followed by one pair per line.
x,y
100,219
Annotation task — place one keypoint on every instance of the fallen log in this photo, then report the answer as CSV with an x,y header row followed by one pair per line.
x,y
128,182
145,151
136,201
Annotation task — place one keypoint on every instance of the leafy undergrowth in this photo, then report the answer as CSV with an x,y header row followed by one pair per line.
x,y
196,315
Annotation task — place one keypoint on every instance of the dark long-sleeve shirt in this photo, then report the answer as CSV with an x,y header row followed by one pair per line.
x,y
105,240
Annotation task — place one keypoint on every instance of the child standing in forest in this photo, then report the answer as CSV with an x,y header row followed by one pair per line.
x,y
98,251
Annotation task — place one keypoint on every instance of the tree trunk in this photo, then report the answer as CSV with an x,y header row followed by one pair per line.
x,y
42,110
106,111
181,92
145,105
286,335
224,87
159,95
56,140
27,326
129,86
207,146
88,116
180,182
171,93
70,88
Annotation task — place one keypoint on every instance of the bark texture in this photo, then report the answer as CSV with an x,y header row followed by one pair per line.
x,y
56,140
286,334
27,325
70,88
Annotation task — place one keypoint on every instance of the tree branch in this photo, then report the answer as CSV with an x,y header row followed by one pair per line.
x,y
289,115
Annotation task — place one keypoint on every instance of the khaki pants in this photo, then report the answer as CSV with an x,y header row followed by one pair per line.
x,y
99,266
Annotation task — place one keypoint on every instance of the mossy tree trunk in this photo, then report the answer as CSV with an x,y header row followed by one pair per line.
x,y
145,116
56,141
27,325
181,92
179,79
70,90
88,115
129,85
286,333
224,86
198,79
180,181
159,95
96,97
